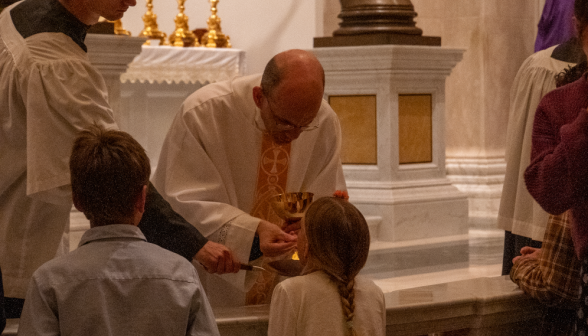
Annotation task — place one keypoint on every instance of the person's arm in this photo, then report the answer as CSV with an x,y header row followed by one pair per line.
x,y
63,94
163,226
190,176
282,317
39,315
557,176
551,275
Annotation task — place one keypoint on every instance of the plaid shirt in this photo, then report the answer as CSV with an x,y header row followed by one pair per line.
x,y
553,278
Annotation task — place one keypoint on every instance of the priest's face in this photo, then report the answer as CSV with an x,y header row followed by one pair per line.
x,y
285,120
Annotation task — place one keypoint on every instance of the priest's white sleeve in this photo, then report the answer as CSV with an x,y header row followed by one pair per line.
x,y
191,182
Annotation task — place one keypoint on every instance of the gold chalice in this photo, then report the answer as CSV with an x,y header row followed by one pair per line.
x,y
290,207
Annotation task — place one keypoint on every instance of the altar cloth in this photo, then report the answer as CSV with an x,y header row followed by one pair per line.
x,y
163,64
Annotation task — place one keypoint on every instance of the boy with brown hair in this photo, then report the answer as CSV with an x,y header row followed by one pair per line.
x,y
115,282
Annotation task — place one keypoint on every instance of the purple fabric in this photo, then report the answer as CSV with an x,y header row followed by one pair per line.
x,y
556,25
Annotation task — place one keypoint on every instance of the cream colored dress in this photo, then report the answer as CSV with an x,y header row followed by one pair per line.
x,y
310,305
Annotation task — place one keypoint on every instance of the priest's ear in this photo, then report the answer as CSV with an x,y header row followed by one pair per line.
x,y
258,96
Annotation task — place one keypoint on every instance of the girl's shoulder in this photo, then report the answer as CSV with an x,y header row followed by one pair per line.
x,y
365,284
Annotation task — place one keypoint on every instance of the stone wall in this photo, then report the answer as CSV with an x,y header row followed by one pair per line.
x,y
497,35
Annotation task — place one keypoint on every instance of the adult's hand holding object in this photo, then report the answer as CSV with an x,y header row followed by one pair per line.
x,y
217,258
273,241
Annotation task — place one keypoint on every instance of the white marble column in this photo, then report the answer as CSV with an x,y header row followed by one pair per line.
x,y
413,208
111,55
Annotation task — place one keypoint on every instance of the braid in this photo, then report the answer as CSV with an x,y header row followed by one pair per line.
x,y
338,244
347,294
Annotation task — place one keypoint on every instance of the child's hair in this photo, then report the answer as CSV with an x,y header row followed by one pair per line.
x,y
571,74
108,171
338,244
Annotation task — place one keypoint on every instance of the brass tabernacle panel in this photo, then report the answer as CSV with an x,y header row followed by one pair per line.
x,y
357,115
415,128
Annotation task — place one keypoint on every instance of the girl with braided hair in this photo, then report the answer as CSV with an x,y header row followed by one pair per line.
x,y
329,298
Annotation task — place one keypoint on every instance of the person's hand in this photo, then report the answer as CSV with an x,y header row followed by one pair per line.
x,y
217,258
528,252
273,241
292,225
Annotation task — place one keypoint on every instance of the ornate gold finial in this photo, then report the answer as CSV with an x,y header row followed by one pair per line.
x,y
215,38
151,31
118,28
182,36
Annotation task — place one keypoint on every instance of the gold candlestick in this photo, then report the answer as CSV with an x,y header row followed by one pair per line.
x,y
151,30
215,38
182,36
118,28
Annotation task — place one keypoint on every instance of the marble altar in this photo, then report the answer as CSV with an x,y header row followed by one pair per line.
x,y
111,55
482,306
160,78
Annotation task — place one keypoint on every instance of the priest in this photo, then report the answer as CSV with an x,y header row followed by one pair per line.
x,y
237,143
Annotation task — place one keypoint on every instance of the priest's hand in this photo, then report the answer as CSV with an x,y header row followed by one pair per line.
x,y
217,258
273,241
292,226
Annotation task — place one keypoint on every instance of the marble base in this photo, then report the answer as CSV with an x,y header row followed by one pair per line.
x,y
415,201
389,260
483,306
481,180
411,211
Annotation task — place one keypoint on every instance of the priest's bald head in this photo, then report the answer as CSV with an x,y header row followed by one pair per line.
x,y
290,94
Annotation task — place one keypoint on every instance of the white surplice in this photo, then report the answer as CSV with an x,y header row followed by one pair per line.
x,y
50,92
518,212
208,165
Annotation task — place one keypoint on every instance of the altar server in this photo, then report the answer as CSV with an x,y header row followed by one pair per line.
x,y
523,220
48,92
235,144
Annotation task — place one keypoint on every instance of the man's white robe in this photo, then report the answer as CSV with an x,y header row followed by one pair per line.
x,y
50,92
208,169
518,212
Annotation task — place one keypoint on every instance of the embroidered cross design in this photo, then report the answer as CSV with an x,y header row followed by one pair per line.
x,y
275,161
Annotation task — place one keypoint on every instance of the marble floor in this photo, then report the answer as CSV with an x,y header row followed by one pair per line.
x,y
485,260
